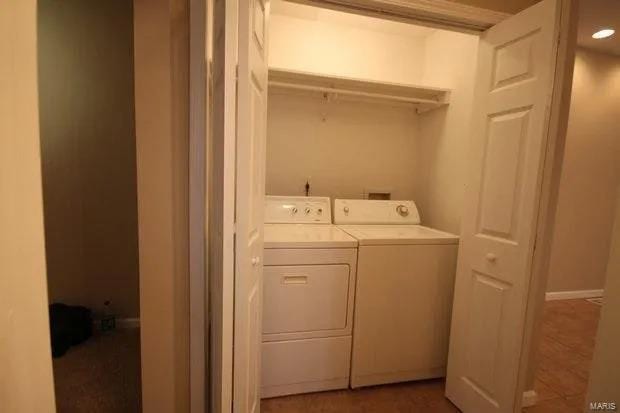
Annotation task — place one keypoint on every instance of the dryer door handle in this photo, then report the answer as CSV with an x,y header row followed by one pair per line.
x,y
295,279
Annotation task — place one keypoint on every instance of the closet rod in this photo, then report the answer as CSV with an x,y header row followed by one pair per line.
x,y
354,93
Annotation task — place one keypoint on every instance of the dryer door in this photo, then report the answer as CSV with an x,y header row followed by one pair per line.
x,y
301,301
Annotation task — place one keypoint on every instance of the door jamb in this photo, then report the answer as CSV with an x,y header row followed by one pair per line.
x,y
221,212
198,289
552,168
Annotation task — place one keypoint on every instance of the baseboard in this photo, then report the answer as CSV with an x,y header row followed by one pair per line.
x,y
530,398
128,322
571,295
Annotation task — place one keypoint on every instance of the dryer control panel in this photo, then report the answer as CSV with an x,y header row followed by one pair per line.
x,y
373,212
297,210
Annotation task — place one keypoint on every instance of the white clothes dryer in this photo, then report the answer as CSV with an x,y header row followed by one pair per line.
x,y
308,288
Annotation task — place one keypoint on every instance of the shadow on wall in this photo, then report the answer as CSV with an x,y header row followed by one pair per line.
x,y
85,57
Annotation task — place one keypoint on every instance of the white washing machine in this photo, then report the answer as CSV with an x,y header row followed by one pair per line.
x,y
308,289
403,298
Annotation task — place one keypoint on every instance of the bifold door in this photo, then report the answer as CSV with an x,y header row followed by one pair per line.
x,y
511,130
250,198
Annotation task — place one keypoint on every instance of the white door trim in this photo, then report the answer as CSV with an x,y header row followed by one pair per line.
x,y
221,211
436,13
26,360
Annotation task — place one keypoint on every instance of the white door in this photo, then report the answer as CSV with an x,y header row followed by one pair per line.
x,y
250,196
511,123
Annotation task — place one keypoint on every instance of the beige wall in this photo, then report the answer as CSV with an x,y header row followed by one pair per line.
x,y
345,148
590,173
605,372
161,42
26,382
358,147
317,40
88,152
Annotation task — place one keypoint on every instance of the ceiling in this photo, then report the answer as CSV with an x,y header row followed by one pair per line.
x,y
595,15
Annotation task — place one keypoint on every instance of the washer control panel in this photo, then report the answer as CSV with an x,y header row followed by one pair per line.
x,y
363,211
297,210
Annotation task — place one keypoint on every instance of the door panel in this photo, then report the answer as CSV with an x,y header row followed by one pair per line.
x,y
502,169
250,194
514,85
514,61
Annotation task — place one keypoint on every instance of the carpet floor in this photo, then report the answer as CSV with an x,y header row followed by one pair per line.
x,y
101,375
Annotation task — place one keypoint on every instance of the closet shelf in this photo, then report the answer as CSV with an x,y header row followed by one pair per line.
x,y
421,97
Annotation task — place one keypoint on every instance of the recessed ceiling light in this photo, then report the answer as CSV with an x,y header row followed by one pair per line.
x,y
601,34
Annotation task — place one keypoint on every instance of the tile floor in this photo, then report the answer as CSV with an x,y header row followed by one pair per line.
x,y
569,328
565,353
412,397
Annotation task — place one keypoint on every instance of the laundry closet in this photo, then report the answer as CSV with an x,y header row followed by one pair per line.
x,y
389,150
367,123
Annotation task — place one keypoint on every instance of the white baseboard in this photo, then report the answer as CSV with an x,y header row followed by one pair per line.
x,y
571,295
128,323
530,398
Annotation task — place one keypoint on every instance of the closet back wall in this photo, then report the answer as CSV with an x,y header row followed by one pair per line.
x,y
88,152
311,39
345,148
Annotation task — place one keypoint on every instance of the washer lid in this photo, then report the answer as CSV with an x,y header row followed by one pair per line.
x,y
364,211
398,235
307,236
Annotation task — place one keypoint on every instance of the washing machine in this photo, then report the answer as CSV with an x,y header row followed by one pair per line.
x,y
308,291
403,297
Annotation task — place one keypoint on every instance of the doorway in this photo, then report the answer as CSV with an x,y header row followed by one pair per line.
x,y
88,155
511,43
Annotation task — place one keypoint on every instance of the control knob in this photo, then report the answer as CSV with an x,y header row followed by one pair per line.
x,y
402,210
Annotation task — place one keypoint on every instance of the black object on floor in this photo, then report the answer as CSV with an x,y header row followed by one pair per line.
x,y
69,326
